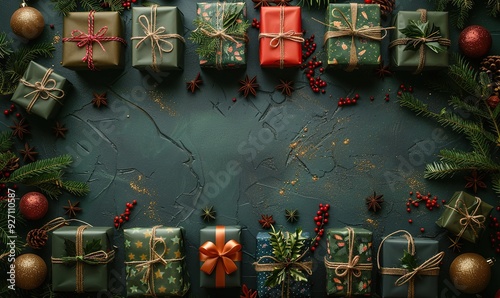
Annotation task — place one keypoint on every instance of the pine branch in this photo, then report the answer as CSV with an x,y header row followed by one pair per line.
x,y
75,187
494,7
6,158
51,190
5,141
5,45
91,5
53,177
438,170
459,104
468,160
464,76
39,167
65,6
314,3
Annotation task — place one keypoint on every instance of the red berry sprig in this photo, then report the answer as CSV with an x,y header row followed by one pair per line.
x,y
308,48
321,219
125,216
128,3
316,83
11,110
348,101
495,234
429,200
255,23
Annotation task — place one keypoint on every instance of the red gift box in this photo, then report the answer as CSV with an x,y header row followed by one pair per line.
x,y
280,36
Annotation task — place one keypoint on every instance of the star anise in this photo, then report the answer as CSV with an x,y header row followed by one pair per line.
x,y
383,70
260,3
285,87
72,209
266,221
474,181
208,213
374,202
28,152
100,99
60,130
247,293
282,2
249,86
291,215
194,84
19,129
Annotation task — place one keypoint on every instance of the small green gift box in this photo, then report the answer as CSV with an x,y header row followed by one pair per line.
x,y
465,216
80,258
155,262
157,40
41,91
420,41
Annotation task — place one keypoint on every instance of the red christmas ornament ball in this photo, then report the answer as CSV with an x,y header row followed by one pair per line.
x,y
497,295
475,41
33,205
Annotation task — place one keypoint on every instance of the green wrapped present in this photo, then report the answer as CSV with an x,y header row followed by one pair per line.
x,y
155,263
420,41
157,41
221,34
409,267
465,216
343,48
41,91
348,262
80,258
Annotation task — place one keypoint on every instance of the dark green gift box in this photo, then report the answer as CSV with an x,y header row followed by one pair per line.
x,y
44,105
339,244
64,275
461,205
338,49
168,53
410,59
167,278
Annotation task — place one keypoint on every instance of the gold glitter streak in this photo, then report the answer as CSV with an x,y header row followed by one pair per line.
x,y
56,39
364,165
315,178
346,141
135,185
157,97
372,222
152,211
282,192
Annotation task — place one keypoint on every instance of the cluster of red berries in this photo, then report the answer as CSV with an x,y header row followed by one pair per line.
x,y
119,220
495,234
348,101
429,200
11,110
308,48
317,84
255,23
321,219
127,3
4,190
403,88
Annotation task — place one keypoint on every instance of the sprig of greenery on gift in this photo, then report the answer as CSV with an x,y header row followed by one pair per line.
x,y
70,248
417,29
67,6
408,261
287,249
460,9
469,94
314,3
207,45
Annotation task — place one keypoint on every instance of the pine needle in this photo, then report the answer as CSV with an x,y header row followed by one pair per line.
x,y
39,167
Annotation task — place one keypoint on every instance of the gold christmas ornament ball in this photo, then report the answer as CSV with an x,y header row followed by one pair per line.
x,y
470,273
31,271
27,22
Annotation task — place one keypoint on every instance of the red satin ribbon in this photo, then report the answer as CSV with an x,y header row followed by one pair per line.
x,y
220,256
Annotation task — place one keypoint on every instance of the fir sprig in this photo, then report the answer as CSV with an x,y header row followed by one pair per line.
x,y
494,7
67,6
314,3
460,9
5,45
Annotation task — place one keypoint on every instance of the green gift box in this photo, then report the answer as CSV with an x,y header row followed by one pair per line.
x,y
422,57
157,40
465,216
346,50
41,91
401,256
348,247
221,34
80,258
155,262
220,257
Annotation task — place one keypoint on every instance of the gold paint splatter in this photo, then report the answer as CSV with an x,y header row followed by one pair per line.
x,y
346,141
415,183
135,185
293,182
372,222
364,165
157,97
306,129
315,178
282,192
56,39
152,212
293,145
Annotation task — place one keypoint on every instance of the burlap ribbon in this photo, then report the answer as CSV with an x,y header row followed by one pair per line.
x,y
469,220
430,267
278,39
156,35
87,40
352,268
94,258
420,42
373,33
44,89
154,258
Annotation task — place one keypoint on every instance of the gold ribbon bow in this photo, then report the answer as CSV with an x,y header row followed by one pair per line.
x,y
352,267
428,268
43,89
156,35
469,220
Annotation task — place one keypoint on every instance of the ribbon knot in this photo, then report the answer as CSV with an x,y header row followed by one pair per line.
x,y
469,220
213,256
44,89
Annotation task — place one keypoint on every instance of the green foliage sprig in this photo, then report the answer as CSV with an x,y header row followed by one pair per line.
x,y
5,45
417,29
408,261
460,9
314,3
67,6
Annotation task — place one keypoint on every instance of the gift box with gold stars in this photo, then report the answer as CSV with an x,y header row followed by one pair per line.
x,y
154,259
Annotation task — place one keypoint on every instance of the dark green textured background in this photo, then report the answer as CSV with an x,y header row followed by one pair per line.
x,y
176,152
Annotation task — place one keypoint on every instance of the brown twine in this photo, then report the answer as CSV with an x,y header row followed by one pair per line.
x,y
419,42
79,252
154,258
43,90
352,267
278,39
428,268
469,219
155,35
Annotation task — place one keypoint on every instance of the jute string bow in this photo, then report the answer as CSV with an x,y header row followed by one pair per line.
x,y
154,258
278,39
156,35
350,269
420,42
469,220
428,268
44,89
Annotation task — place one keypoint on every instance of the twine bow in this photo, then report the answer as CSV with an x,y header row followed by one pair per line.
x,y
278,39
428,268
352,267
156,35
44,89
469,220
87,40
420,42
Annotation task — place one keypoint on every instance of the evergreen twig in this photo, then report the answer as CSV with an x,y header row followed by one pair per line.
x,y
66,6
5,45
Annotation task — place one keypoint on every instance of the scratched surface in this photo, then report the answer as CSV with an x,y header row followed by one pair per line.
x,y
177,152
